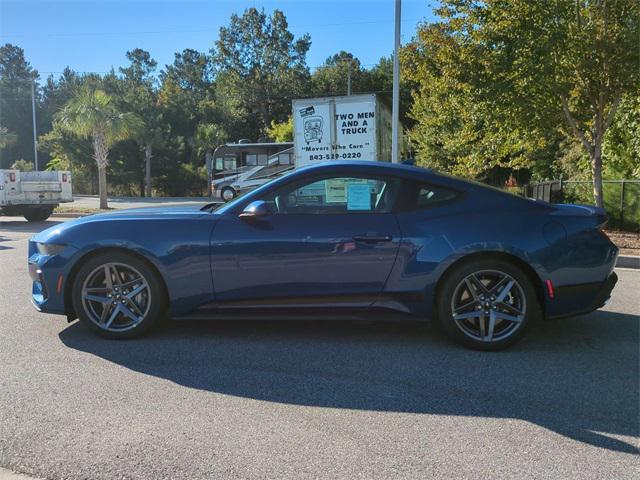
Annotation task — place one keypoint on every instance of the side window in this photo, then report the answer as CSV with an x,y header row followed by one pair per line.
x,y
263,159
219,163
230,163
336,195
251,159
284,159
418,196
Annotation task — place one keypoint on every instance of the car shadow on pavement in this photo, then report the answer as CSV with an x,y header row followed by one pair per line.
x,y
23,226
577,377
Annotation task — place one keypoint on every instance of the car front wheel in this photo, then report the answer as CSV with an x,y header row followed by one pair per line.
x,y
117,295
487,304
228,194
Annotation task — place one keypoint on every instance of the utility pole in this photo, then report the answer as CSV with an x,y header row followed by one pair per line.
x,y
395,112
35,132
349,78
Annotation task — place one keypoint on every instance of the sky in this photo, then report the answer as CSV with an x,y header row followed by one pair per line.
x,y
93,36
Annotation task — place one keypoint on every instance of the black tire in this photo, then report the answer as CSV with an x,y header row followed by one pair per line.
x,y
230,191
37,214
157,300
455,288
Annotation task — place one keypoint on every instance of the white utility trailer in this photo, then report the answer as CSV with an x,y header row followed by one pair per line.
x,y
33,195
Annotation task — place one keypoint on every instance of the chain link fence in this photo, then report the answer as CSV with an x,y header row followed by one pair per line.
x,y
621,198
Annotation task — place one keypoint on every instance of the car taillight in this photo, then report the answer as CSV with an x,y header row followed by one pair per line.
x,y
64,177
12,177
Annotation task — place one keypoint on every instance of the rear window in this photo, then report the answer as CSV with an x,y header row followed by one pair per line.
x,y
420,196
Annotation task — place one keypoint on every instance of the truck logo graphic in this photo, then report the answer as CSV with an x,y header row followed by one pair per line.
x,y
313,129
306,111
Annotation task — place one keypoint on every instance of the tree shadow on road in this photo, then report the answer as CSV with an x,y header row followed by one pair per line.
x,y
4,239
577,377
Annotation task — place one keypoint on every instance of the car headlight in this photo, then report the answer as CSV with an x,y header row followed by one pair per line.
x,y
49,249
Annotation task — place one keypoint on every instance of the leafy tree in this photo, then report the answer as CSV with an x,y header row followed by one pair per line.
x,y
69,152
22,165
621,148
260,67
7,138
140,97
16,76
281,132
209,136
566,63
184,86
184,101
91,114
456,129
141,67
332,77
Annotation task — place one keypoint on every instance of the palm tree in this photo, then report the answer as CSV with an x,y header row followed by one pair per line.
x,y
91,114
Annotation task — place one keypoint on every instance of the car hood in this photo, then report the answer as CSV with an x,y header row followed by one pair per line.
x,y
138,214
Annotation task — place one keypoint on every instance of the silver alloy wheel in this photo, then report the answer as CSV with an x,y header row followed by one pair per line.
x,y
488,305
116,297
228,194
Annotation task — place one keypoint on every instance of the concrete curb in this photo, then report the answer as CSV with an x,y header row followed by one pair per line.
x,y
6,474
628,261
70,215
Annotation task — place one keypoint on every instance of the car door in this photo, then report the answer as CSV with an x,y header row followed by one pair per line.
x,y
330,240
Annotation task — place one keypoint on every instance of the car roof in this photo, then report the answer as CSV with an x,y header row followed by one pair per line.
x,y
386,168
407,171
367,165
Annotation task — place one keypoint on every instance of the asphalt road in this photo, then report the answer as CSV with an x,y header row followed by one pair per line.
x,y
314,400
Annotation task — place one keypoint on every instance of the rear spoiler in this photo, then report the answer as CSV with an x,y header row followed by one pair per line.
x,y
598,214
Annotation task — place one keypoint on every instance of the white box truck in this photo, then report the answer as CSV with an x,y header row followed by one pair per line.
x,y
355,127
33,195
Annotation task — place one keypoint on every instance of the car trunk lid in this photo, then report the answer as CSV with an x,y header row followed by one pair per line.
x,y
596,214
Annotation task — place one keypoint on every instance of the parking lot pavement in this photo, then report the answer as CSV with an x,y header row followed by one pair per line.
x,y
314,400
92,201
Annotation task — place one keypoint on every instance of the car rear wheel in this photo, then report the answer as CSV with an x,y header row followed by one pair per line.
x,y
117,295
37,214
487,304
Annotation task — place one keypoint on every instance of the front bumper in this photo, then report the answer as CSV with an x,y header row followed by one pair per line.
x,y
583,298
49,275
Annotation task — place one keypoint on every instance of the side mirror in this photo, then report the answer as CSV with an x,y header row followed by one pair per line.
x,y
257,209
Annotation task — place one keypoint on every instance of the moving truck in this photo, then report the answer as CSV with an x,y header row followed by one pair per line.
x,y
33,195
355,127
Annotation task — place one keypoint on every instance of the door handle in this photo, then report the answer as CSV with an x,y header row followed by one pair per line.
x,y
372,238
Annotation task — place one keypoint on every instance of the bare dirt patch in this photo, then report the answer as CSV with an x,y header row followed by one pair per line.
x,y
627,242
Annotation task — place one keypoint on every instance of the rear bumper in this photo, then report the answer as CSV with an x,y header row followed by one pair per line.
x,y
582,298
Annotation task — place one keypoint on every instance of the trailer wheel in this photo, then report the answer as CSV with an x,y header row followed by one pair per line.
x,y
228,194
37,214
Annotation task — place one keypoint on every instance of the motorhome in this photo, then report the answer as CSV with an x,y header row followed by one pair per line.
x,y
239,167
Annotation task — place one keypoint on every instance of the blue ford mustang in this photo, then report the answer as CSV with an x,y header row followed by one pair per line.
x,y
340,240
